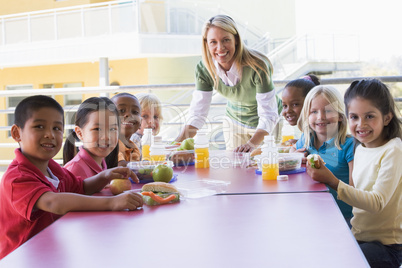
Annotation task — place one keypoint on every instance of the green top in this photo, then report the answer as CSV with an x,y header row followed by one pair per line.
x,y
242,102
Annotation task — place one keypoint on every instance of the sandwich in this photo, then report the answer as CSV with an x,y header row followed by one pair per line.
x,y
158,193
314,160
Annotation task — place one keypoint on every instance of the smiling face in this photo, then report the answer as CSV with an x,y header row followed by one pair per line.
x,y
42,136
292,102
100,134
221,46
323,118
366,122
129,110
150,120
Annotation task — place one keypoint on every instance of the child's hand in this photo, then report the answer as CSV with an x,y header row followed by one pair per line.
x,y
128,200
301,150
120,173
323,174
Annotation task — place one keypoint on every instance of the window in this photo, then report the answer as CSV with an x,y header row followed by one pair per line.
x,y
72,99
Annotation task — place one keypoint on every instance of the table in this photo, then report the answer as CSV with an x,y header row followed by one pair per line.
x,y
245,180
273,230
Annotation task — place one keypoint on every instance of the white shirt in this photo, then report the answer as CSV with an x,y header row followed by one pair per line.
x,y
376,196
267,109
52,179
229,78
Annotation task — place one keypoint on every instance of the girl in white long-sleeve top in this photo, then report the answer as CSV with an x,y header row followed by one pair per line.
x,y
377,174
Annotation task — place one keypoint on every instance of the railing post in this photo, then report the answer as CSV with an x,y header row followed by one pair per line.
x,y
3,26
168,26
104,75
196,18
29,28
55,26
82,23
136,5
110,18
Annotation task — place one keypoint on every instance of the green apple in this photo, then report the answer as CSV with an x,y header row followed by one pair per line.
x,y
162,173
187,144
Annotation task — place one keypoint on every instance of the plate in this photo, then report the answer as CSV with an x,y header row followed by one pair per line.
x,y
174,178
182,164
286,172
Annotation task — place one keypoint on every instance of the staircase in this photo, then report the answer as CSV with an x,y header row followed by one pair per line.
x,y
320,53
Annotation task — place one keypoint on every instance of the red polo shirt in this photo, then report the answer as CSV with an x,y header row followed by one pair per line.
x,y
20,188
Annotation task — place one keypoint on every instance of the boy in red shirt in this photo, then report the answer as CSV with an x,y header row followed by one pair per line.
x,y
35,190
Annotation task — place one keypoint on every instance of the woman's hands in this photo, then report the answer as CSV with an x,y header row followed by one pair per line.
x,y
253,143
188,131
248,147
323,174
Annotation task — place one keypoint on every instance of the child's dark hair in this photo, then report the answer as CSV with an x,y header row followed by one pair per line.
x,y
24,109
89,106
124,94
379,95
306,83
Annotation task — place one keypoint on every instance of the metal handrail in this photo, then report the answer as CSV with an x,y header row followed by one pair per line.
x,y
149,88
185,86
61,9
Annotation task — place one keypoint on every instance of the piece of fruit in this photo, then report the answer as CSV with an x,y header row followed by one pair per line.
x,y
187,144
162,173
117,186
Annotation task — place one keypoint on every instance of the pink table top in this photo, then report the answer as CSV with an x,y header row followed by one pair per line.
x,y
244,180
280,230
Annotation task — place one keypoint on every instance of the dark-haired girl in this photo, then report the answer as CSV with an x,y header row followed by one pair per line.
x,y
97,126
375,192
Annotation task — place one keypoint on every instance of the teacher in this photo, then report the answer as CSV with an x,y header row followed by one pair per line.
x,y
240,74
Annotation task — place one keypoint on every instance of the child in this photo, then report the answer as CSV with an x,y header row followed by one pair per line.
x,y
375,191
35,190
293,96
97,126
129,110
151,114
324,125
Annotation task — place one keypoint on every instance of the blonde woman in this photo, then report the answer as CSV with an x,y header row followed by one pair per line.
x,y
324,124
243,76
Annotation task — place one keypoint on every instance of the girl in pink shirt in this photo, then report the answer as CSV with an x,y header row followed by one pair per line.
x,y
97,127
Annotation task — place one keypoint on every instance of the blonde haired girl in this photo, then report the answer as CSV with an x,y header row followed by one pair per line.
x,y
324,125
335,102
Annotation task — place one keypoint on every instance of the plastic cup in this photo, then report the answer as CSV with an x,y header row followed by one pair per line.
x,y
240,159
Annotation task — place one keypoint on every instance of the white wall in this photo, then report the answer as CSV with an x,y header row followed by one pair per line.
x,y
274,16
